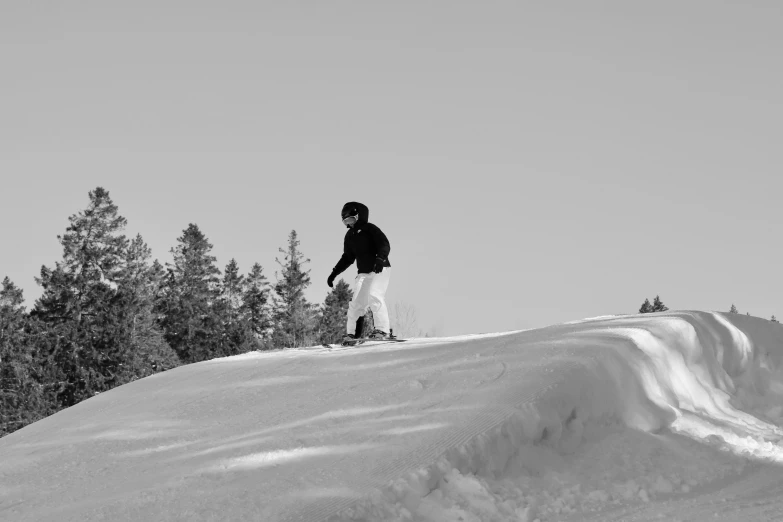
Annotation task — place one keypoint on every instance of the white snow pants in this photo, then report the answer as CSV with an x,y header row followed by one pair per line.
x,y
369,291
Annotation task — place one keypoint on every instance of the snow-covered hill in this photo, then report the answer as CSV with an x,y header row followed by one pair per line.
x,y
657,417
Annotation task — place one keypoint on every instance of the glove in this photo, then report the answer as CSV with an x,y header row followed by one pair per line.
x,y
330,281
378,265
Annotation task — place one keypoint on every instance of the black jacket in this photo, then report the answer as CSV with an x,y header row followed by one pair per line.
x,y
363,243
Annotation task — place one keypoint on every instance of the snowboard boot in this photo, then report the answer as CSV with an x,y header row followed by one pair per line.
x,y
349,340
378,335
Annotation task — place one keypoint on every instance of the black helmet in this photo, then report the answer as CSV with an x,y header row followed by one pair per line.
x,y
349,210
354,212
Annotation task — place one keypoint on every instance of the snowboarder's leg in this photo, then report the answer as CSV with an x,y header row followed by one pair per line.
x,y
377,299
358,306
360,325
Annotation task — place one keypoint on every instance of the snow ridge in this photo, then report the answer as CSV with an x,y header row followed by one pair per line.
x,y
629,388
614,418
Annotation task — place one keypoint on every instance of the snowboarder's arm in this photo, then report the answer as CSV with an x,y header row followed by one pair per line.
x,y
345,261
382,246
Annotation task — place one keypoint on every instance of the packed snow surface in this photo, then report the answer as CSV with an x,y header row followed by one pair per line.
x,y
672,416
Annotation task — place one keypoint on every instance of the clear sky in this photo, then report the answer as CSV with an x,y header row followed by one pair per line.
x,y
531,163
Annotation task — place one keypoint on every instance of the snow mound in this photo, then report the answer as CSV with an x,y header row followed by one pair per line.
x,y
571,422
655,407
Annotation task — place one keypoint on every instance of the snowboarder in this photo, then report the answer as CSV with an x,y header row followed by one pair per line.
x,y
366,244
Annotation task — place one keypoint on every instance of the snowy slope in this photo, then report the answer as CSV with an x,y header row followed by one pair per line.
x,y
667,416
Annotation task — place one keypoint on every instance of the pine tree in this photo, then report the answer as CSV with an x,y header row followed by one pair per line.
x,y
658,305
256,305
78,301
774,320
92,329
235,331
29,383
93,248
190,290
294,317
333,313
646,307
21,396
733,309
144,350
11,313
231,292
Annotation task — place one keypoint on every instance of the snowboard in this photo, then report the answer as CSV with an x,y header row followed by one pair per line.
x,y
359,342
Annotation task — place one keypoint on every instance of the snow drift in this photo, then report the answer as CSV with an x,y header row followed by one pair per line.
x,y
574,419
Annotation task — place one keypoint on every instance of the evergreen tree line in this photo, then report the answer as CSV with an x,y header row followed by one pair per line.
x,y
109,314
733,310
658,306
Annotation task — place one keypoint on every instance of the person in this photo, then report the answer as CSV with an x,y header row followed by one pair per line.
x,y
366,244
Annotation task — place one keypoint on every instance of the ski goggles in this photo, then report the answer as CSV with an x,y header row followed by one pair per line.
x,y
350,220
